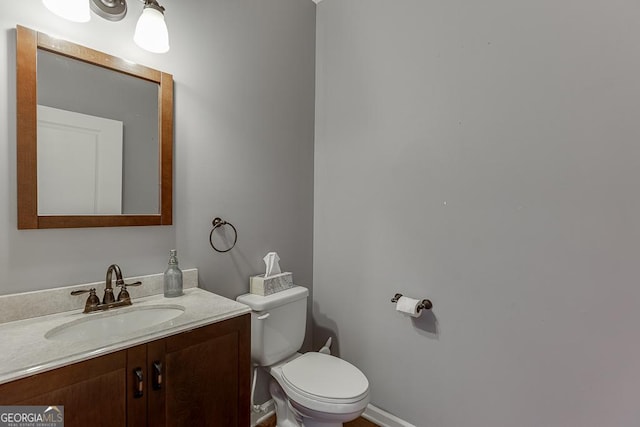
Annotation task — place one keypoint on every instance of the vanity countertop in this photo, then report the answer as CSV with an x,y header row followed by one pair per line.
x,y
26,351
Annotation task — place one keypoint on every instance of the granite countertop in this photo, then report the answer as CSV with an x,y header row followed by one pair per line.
x,y
26,351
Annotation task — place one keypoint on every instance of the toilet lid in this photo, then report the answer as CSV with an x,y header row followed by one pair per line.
x,y
326,377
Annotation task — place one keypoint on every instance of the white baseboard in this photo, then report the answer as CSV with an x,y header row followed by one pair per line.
x,y
371,413
383,418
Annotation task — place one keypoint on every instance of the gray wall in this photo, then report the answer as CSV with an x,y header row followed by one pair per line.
x,y
484,155
244,120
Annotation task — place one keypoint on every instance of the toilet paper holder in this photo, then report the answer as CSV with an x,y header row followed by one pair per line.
x,y
424,304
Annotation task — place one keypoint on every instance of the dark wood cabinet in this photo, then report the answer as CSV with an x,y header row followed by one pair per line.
x,y
202,370
92,392
199,377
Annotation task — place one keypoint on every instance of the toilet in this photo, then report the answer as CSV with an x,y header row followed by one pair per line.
x,y
311,389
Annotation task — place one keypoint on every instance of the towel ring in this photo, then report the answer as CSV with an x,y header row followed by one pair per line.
x,y
217,222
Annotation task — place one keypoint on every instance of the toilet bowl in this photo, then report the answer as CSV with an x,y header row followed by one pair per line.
x,y
322,390
310,389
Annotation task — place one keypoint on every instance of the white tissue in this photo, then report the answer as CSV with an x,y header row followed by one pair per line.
x,y
271,261
408,306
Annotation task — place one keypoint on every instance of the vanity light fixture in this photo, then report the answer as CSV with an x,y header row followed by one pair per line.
x,y
151,31
71,10
111,10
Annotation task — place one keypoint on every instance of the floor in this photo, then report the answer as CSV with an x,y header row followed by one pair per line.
x,y
360,422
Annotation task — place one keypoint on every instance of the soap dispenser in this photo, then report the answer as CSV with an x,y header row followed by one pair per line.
x,y
173,277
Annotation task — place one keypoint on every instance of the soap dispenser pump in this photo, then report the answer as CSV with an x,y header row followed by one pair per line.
x,y
173,277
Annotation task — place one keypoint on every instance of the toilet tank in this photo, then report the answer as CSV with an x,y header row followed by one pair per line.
x,y
278,324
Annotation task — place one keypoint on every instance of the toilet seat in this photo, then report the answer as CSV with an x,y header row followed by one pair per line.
x,y
323,383
325,378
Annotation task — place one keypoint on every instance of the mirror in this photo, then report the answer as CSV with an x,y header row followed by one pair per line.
x,y
94,140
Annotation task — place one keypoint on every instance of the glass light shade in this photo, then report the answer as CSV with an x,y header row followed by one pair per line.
x,y
71,10
151,31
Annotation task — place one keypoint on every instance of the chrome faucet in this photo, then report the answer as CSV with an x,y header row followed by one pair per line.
x,y
108,300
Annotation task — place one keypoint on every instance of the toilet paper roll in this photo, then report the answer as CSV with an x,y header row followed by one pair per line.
x,y
408,306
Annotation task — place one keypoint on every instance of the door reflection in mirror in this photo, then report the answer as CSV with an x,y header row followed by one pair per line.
x,y
79,163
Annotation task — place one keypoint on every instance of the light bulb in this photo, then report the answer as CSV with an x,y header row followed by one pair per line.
x,y
71,10
151,31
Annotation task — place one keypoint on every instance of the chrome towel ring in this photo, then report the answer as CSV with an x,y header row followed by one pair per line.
x,y
217,222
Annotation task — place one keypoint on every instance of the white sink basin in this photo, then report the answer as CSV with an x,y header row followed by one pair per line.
x,y
115,322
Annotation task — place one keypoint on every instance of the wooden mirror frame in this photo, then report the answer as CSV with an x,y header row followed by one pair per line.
x,y
28,43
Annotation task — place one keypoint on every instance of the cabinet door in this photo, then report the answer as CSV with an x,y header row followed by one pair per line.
x,y
208,375
156,383
92,392
137,390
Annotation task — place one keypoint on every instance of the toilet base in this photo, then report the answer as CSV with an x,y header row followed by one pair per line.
x,y
285,415
311,418
290,414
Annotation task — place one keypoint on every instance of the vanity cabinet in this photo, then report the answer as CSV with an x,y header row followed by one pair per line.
x,y
199,377
92,391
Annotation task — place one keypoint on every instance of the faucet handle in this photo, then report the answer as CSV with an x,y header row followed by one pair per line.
x,y
124,285
92,301
92,291
138,283
124,294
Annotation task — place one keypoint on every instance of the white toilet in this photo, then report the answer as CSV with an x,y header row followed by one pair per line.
x,y
311,389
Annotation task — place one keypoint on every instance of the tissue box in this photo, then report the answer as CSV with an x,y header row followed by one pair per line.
x,y
260,286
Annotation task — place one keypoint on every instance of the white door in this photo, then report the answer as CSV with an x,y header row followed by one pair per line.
x,y
79,163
